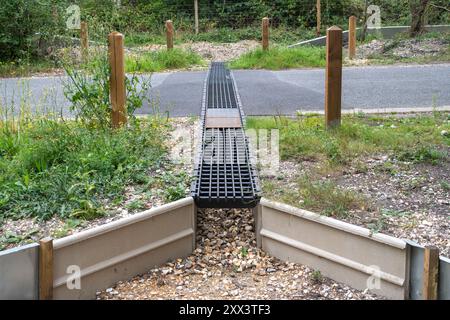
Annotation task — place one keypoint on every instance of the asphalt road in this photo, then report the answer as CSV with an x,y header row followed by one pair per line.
x,y
264,92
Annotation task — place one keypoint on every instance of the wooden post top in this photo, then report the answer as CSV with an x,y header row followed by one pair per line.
x,y
334,28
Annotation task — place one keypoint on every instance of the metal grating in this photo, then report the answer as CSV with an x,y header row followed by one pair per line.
x,y
225,176
220,92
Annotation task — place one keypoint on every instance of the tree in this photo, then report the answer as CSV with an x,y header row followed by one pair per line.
x,y
418,9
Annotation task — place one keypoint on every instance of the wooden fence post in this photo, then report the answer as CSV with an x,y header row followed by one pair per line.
x,y
265,33
84,38
46,269
430,273
352,37
117,79
196,15
169,34
333,77
318,18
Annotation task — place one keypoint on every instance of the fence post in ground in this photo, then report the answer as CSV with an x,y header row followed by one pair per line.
x,y
333,77
46,269
318,18
117,79
169,34
265,33
352,37
430,273
84,41
196,15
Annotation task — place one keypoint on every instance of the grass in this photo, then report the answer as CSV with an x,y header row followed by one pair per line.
x,y
323,197
24,68
278,58
63,168
162,60
416,139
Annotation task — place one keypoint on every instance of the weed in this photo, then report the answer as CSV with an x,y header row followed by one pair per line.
x,y
316,276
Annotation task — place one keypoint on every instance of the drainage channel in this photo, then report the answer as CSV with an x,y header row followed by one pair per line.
x,y
225,176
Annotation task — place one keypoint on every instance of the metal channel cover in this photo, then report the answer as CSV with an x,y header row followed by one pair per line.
x,y
222,113
223,123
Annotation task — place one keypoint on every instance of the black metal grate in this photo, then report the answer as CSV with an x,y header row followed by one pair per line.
x,y
220,91
225,176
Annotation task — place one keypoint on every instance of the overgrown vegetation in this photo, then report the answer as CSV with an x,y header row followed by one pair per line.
x,y
78,168
278,58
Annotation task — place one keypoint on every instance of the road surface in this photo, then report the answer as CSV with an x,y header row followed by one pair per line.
x,y
264,92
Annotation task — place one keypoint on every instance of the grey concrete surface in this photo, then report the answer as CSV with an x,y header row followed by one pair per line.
x,y
263,92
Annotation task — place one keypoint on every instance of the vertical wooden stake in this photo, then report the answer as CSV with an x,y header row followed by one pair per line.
x,y
430,273
117,80
318,18
265,33
333,77
196,15
46,269
169,34
352,37
84,41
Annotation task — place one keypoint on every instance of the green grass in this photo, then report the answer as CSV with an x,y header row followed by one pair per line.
x,y
162,60
64,168
416,139
323,197
278,58
24,68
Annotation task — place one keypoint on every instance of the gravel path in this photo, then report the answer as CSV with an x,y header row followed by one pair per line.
x,y
227,265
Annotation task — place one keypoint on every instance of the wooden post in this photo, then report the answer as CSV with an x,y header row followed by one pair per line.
x,y
117,80
84,41
352,37
333,77
265,33
318,18
430,273
46,269
169,34
196,15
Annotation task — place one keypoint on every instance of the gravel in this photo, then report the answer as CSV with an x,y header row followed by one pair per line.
x,y
408,48
212,51
227,265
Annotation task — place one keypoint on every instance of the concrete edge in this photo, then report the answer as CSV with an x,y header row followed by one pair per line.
x,y
89,233
337,224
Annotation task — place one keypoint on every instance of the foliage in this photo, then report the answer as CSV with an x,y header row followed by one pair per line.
x,y
89,93
416,138
281,58
162,60
67,169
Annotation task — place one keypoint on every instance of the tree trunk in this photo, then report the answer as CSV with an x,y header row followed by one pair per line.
x,y
418,9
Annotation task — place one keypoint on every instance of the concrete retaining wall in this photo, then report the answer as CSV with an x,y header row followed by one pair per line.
x,y
340,251
123,249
